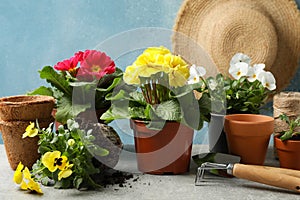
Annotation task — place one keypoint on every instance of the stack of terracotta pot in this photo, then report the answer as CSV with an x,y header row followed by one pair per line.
x,y
16,113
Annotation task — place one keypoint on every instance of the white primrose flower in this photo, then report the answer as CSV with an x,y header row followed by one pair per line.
x,y
253,72
268,80
238,70
240,57
195,73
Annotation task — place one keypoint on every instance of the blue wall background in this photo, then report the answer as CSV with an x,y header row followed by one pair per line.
x,y
36,33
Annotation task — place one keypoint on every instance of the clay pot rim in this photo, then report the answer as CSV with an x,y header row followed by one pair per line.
x,y
260,119
25,99
143,122
287,141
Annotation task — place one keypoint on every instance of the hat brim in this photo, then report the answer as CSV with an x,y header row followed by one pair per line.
x,y
267,31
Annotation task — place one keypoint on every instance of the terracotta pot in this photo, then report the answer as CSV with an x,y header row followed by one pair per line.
x,y
26,108
248,136
288,153
163,152
18,149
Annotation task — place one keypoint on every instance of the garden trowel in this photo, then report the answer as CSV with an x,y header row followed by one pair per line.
x,y
228,165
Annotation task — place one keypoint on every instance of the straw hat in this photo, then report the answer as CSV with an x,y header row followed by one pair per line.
x,y
267,31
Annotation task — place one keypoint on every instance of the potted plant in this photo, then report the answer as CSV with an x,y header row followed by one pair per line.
x,y
80,84
287,143
162,109
67,159
245,92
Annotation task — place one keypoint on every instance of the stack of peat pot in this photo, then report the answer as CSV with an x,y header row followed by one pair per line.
x,y
16,113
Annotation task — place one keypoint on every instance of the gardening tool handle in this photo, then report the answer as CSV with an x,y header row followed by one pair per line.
x,y
277,177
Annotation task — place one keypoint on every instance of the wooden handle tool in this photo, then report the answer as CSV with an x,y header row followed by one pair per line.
x,y
278,177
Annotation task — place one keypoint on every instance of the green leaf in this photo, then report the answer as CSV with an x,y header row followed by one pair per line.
x,y
169,110
41,91
56,80
137,112
119,96
138,97
65,109
115,112
156,125
98,151
112,86
77,182
82,84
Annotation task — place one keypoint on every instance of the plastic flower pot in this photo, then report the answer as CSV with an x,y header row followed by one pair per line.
x,y
20,149
167,151
25,108
248,136
288,153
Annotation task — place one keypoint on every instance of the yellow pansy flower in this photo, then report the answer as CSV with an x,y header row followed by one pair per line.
x,y
66,172
54,160
30,131
18,175
28,183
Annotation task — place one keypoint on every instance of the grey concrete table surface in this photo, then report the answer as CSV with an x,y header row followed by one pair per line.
x,y
144,186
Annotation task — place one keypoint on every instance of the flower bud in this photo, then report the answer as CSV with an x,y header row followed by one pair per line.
x,y
71,142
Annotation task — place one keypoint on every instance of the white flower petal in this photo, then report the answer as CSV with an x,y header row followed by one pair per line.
x,y
259,67
240,57
197,70
193,79
268,80
253,72
238,70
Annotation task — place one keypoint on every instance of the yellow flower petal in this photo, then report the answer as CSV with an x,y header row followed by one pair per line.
x,y
30,127
64,174
48,160
26,173
30,131
131,75
23,185
18,175
34,186
157,50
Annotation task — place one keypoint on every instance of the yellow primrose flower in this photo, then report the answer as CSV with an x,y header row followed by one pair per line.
x,y
30,131
18,175
28,183
131,75
157,50
54,160
66,172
